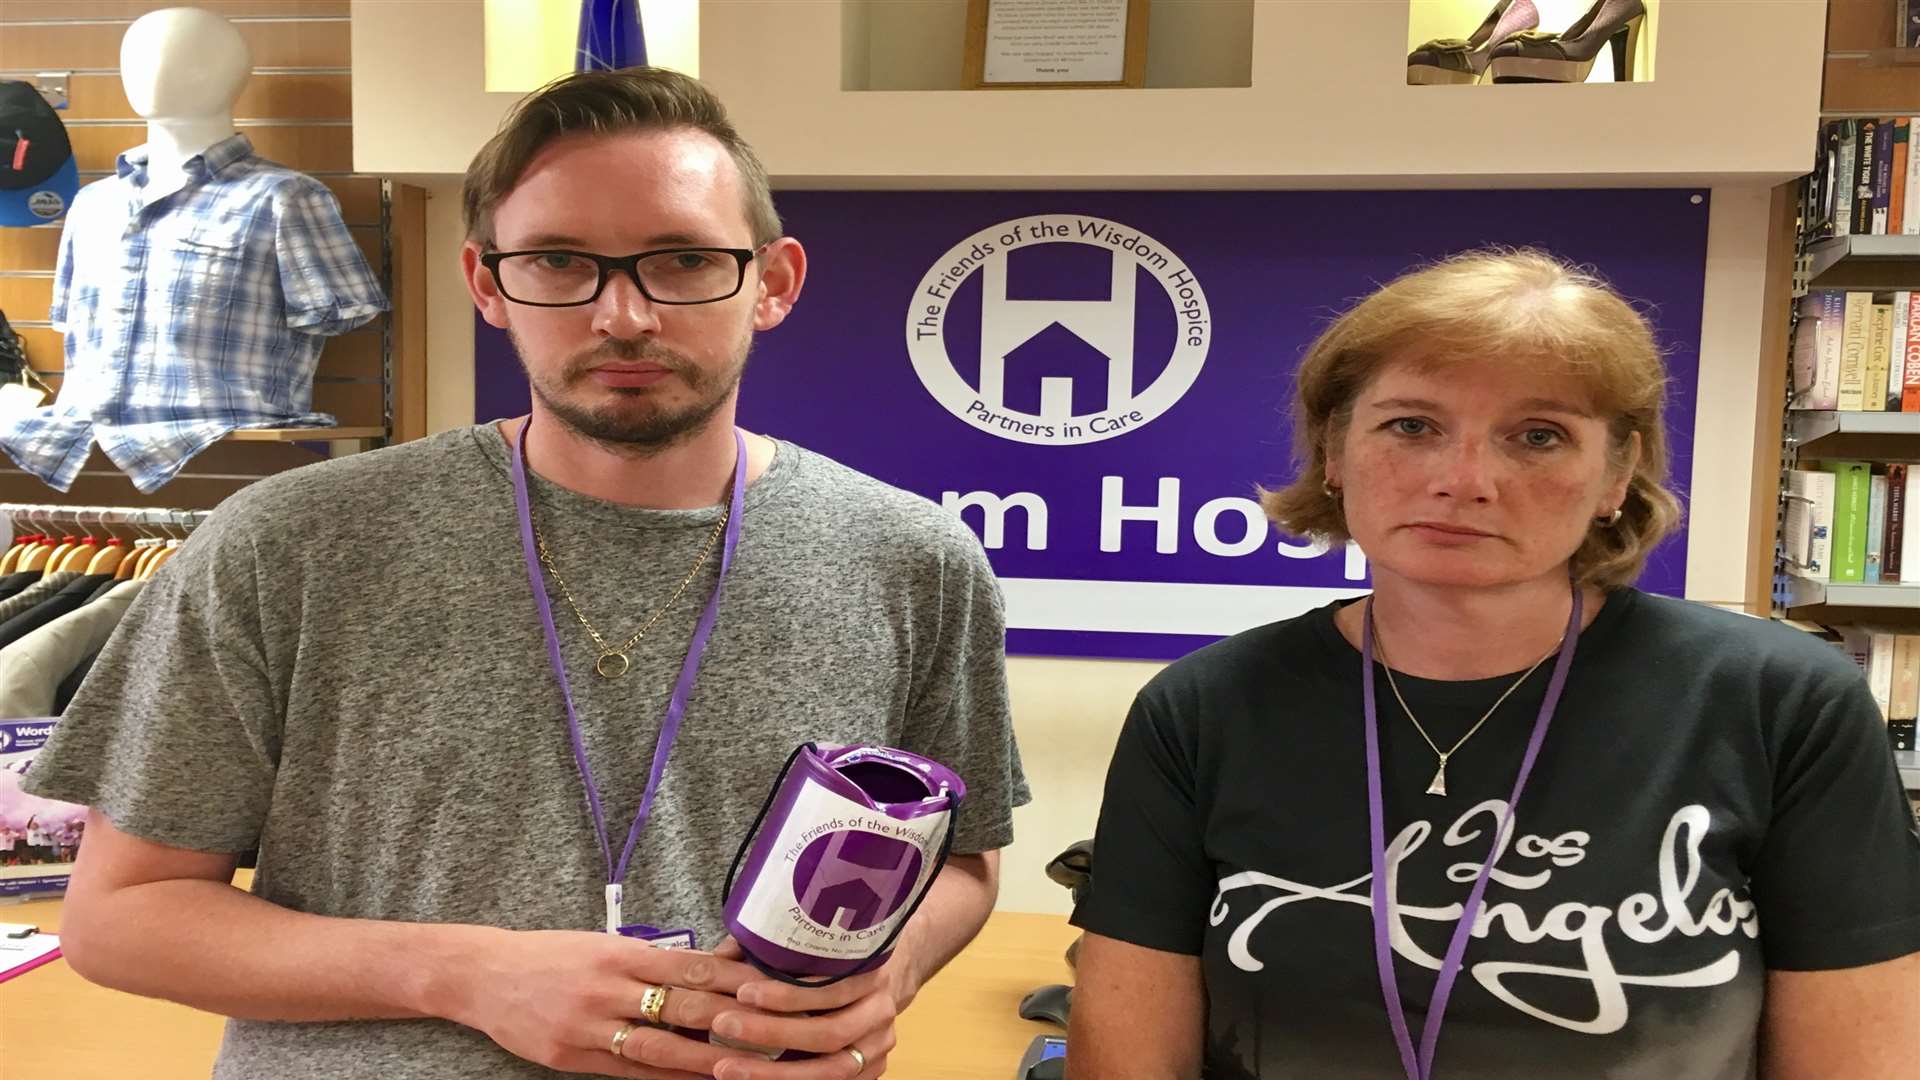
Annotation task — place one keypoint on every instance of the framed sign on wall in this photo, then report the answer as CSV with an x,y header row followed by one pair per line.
x,y
1029,44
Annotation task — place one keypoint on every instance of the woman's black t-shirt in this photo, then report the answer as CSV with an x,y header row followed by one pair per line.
x,y
1716,797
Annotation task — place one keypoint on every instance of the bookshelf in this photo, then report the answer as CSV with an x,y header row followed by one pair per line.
x,y
1871,257
1854,263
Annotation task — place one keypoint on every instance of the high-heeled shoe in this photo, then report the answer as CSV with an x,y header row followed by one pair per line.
x,y
1452,61
1568,56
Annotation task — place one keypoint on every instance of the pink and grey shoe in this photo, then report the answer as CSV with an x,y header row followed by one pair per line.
x,y
1568,56
1453,61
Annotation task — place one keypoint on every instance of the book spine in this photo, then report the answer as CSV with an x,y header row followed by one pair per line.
x,y
1882,178
1820,551
1893,547
1848,136
1809,522
1911,223
1897,205
1910,538
1826,383
1849,531
1904,701
1880,672
1853,351
1897,351
1879,357
1876,529
1909,339
1857,645
1826,163
1863,177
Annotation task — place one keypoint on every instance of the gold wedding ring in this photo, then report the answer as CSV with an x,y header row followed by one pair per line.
x,y
618,1046
859,1061
653,1003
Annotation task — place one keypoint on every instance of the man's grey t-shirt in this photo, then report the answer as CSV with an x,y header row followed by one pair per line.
x,y
346,668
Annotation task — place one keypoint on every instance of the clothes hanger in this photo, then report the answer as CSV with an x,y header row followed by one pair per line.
x,y
83,550
42,553
130,566
21,541
35,558
39,537
59,552
162,551
12,558
161,555
10,562
151,543
112,552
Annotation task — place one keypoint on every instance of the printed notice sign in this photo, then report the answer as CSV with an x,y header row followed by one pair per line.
x,y
1037,41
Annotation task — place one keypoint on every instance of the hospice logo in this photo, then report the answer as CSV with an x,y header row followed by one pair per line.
x,y
1058,372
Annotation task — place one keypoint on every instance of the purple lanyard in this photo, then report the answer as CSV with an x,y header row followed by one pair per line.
x,y
1420,1067
689,670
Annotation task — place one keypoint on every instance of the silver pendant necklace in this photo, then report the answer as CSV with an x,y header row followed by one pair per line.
x,y
1439,784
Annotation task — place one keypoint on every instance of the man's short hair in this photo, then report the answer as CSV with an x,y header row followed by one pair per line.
x,y
608,103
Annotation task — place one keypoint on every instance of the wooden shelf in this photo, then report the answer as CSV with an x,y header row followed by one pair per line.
x,y
1806,592
1864,262
1809,426
1851,252
1877,56
313,434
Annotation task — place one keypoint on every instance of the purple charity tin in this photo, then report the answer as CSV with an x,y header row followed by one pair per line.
x,y
850,840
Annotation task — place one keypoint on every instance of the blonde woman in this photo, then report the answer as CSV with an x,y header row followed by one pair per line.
x,y
1680,830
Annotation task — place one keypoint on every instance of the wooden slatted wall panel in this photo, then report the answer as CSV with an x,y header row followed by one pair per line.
x,y
296,109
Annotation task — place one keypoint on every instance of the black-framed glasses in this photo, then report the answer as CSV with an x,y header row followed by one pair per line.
x,y
561,277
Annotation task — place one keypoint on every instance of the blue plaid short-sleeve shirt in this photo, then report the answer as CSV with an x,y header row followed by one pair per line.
x,y
191,314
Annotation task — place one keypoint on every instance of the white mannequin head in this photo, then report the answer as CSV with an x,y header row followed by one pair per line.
x,y
183,64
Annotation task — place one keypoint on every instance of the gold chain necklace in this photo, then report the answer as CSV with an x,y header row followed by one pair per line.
x,y
1439,784
601,666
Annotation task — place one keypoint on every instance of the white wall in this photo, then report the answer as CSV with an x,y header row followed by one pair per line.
x,y
1328,104
1731,321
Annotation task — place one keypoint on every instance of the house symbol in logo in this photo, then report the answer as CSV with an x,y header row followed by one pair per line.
x,y
855,880
1057,371
1069,357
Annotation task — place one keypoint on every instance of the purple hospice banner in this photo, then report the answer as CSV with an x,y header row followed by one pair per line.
x,y
1096,382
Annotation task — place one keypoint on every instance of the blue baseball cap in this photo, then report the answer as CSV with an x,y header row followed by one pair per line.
x,y
38,177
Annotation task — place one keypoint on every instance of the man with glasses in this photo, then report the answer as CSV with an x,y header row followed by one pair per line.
x,y
433,683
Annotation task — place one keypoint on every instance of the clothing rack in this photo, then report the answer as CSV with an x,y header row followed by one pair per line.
x,y
136,518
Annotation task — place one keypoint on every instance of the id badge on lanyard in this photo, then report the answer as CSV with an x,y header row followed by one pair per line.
x,y
676,706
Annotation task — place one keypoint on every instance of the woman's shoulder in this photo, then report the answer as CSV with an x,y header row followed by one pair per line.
x,y
1707,635
1252,661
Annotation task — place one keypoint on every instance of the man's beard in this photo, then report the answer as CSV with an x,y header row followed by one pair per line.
x,y
633,421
